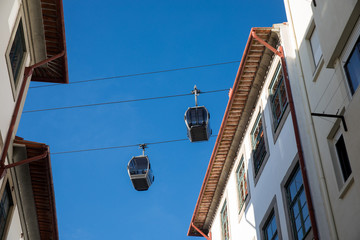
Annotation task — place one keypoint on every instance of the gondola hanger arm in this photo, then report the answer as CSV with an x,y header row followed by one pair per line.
x,y
196,93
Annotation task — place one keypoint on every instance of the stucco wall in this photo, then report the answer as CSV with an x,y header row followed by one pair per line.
x,y
10,14
327,91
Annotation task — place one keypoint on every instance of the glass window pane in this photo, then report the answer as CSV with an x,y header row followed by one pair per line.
x,y
343,158
298,205
307,224
17,51
315,47
224,223
300,234
352,69
278,96
270,229
5,204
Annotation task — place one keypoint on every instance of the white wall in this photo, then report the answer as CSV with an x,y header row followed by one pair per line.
x,y
10,13
326,91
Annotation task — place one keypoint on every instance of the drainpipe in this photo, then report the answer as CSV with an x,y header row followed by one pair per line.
x,y
280,53
203,234
27,73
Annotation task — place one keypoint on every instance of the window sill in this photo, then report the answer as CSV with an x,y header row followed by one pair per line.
x,y
344,189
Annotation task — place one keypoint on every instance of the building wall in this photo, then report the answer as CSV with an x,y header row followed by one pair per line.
x,y
327,91
335,21
11,12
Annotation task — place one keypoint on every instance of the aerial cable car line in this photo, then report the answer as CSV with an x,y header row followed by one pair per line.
x,y
118,102
118,147
136,74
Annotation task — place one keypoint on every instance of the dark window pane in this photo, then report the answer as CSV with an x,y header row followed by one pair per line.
x,y
5,205
270,229
298,207
343,158
258,142
17,51
278,96
352,68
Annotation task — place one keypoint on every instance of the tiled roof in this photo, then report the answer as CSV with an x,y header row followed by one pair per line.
x,y
54,30
43,189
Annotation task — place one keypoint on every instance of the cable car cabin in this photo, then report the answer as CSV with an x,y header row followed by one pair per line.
x,y
197,123
140,173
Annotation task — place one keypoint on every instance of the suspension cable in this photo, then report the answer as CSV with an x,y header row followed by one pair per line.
x,y
118,102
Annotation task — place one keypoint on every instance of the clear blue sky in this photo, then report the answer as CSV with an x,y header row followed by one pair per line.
x,y
94,196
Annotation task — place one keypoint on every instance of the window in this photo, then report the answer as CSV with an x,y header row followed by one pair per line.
x,y
299,213
343,157
270,228
224,223
17,53
352,68
258,144
315,47
241,183
5,205
278,96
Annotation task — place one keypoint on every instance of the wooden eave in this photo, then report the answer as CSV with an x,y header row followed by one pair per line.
x,y
247,85
43,189
54,31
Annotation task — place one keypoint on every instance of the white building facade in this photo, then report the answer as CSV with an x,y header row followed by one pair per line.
x,y
32,31
326,38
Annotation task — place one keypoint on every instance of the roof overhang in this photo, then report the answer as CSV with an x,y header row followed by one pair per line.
x,y
244,95
37,191
48,37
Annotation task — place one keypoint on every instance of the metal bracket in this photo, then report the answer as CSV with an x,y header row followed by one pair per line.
x,y
199,231
196,92
143,146
25,161
331,116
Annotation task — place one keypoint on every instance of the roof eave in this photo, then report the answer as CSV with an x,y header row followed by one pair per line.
x,y
53,30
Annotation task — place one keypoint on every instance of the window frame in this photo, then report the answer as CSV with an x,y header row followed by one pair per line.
x,y
291,204
277,92
224,221
6,189
257,172
316,63
344,172
15,82
277,123
272,211
343,185
349,80
271,218
242,184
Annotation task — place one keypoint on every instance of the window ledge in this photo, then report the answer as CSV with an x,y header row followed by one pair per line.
x,y
344,189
